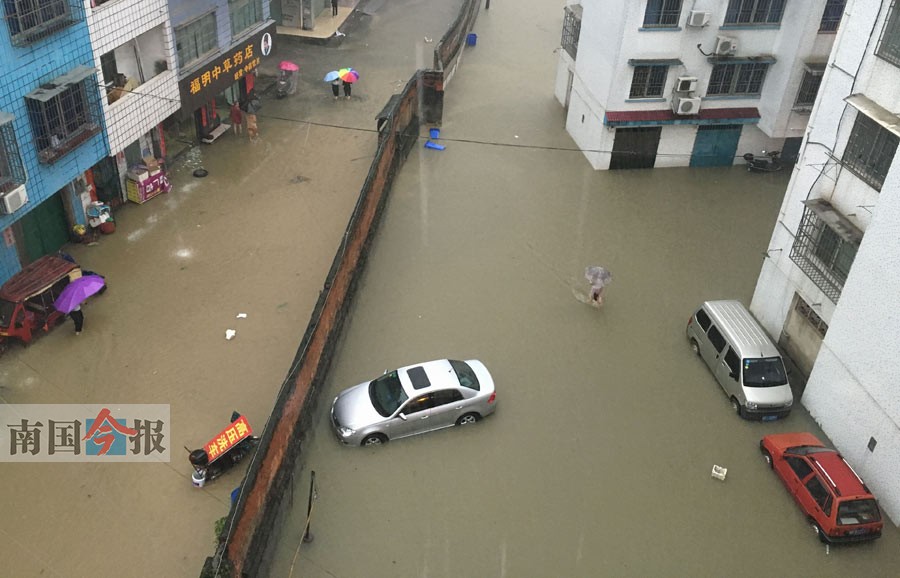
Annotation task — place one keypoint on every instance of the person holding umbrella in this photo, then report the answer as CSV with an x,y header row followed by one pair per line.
x,y
599,278
348,76
74,294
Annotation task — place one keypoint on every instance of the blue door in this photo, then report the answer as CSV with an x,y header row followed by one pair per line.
x,y
716,145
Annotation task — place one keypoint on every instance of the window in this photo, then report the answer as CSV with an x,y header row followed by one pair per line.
x,y
889,43
12,171
870,151
825,247
648,81
858,512
418,404
743,79
571,29
803,309
465,374
195,39
819,494
662,13
799,465
244,14
63,113
733,362
831,17
754,12
418,377
33,20
445,396
809,88
764,372
716,339
386,394
703,319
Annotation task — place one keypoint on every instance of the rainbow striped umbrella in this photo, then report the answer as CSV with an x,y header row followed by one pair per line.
x,y
348,75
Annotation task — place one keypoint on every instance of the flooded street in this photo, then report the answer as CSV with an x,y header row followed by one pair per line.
x,y
598,459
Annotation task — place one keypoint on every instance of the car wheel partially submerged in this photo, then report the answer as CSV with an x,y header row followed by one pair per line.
x,y
767,456
374,440
818,530
467,419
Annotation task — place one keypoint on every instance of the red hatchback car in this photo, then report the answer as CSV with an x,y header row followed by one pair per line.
x,y
834,498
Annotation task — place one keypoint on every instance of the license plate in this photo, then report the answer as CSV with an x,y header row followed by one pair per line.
x,y
859,532
769,417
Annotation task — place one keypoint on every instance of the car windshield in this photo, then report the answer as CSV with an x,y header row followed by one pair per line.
x,y
7,308
465,374
764,372
387,394
858,512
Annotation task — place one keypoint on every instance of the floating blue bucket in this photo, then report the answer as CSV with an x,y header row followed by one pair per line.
x,y
471,39
435,133
433,145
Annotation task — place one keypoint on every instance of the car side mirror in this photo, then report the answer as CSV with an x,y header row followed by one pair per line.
x,y
403,416
733,375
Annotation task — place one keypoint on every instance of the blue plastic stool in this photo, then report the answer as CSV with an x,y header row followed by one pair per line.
x,y
471,39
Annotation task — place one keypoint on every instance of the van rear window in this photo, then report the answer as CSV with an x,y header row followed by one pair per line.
x,y
764,372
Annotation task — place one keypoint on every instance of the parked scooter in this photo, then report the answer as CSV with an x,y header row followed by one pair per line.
x,y
770,163
223,451
287,79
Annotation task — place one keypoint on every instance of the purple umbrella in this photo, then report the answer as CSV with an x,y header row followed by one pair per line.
x,y
77,291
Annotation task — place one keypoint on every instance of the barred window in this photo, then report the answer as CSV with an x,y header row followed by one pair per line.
x,y
64,113
662,13
744,79
195,39
12,171
825,247
571,29
870,151
889,43
751,12
803,309
33,20
831,17
809,88
244,14
648,81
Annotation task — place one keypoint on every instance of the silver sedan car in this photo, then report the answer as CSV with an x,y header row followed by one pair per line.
x,y
413,400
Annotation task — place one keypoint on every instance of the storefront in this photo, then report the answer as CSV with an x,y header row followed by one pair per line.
x,y
209,91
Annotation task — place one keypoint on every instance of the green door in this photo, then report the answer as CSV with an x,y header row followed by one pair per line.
x,y
45,229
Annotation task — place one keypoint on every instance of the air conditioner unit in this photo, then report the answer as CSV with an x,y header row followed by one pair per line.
x,y
725,46
698,18
13,200
685,84
684,105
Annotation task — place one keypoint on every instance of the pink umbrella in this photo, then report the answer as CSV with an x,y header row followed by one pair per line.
x,y
288,66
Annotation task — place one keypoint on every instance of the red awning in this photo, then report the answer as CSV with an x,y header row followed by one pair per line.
x,y
615,117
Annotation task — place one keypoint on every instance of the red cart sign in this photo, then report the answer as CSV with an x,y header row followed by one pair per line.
x,y
228,438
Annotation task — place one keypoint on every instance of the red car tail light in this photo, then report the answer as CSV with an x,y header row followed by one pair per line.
x,y
493,397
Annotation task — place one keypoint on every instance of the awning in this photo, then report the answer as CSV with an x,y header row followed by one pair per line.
x,y
875,111
654,62
762,59
847,231
749,115
6,118
60,84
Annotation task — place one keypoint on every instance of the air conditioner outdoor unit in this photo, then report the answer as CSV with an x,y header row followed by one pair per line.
x,y
725,46
698,18
13,200
684,105
685,84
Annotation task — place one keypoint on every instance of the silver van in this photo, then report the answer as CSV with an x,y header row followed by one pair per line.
x,y
743,359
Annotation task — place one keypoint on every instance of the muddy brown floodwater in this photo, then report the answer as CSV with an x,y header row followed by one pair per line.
x,y
598,460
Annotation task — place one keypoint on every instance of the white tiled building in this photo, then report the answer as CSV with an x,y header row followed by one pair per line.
x,y
671,83
830,287
135,53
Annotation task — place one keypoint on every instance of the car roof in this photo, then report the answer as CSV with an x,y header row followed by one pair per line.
x,y
839,472
424,377
742,329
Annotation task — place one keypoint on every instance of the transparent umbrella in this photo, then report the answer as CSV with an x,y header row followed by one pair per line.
x,y
598,276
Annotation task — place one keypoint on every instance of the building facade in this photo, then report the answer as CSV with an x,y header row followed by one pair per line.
x,y
661,83
51,123
829,289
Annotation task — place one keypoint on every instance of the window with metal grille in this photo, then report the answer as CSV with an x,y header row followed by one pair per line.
x,y
648,81
809,88
889,43
244,14
831,17
662,13
744,79
12,171
804,310
64,113
754,12
825,247
571,29
33,20
195,39
870,151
